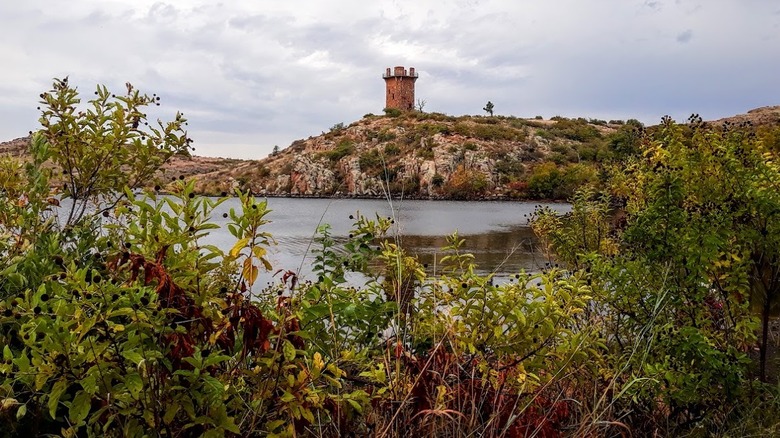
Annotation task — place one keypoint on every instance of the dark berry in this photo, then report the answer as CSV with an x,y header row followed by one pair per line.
x,y
224,215
45,297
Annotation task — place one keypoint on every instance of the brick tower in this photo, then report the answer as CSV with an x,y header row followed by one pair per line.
x,y
400,88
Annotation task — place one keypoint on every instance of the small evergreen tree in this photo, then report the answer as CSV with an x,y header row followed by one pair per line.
x,y
489,108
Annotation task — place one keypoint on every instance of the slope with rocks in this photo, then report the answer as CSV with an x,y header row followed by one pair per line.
x,y
178,166
428,155
419,155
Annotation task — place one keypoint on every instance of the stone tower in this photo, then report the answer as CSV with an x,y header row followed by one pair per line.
x,y
400,88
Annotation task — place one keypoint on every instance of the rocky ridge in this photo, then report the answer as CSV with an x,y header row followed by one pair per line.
x,y
417,155
426,155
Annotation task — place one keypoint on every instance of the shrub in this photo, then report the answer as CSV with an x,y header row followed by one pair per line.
x,y
343,148
465,184
392,112
392,149
371,162
577,130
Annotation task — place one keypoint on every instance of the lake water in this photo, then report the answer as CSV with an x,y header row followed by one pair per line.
x,y
497,233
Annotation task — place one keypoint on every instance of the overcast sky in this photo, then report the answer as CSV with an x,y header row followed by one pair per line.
x,y
251,74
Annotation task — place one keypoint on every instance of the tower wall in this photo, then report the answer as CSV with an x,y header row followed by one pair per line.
x,y
399,88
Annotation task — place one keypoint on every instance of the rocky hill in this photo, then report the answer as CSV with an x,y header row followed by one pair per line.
x,y
176,167
421,155
428,155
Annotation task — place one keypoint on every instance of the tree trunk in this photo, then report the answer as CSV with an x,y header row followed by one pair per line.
x,y
764,339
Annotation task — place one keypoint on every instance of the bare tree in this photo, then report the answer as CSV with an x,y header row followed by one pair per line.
x,y
421,104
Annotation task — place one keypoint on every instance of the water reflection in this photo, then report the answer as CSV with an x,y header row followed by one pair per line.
x,y
506,251
495,232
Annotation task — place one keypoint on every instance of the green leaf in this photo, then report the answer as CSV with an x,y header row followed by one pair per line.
x,y
134,384
170,413
275,425
355,405
133,356
21,412
289,351
89,383
54,396
287,397
212,386
7,354
79,408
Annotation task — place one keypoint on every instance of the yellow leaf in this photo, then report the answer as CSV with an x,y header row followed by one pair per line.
x,y
238,247
250,271
318,362
259,252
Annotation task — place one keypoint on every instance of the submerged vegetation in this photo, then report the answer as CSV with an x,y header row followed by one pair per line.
x,y
117,320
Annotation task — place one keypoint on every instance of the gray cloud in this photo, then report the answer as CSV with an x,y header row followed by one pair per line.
x,y
251,75
685,36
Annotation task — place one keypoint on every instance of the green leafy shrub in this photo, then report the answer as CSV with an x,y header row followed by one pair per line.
x,y
574,129
677,272
343,148
392,112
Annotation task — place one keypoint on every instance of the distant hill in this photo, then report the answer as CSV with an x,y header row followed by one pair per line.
x,y
428,155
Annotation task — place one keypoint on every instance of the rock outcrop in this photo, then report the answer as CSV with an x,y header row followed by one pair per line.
x,y
424,155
